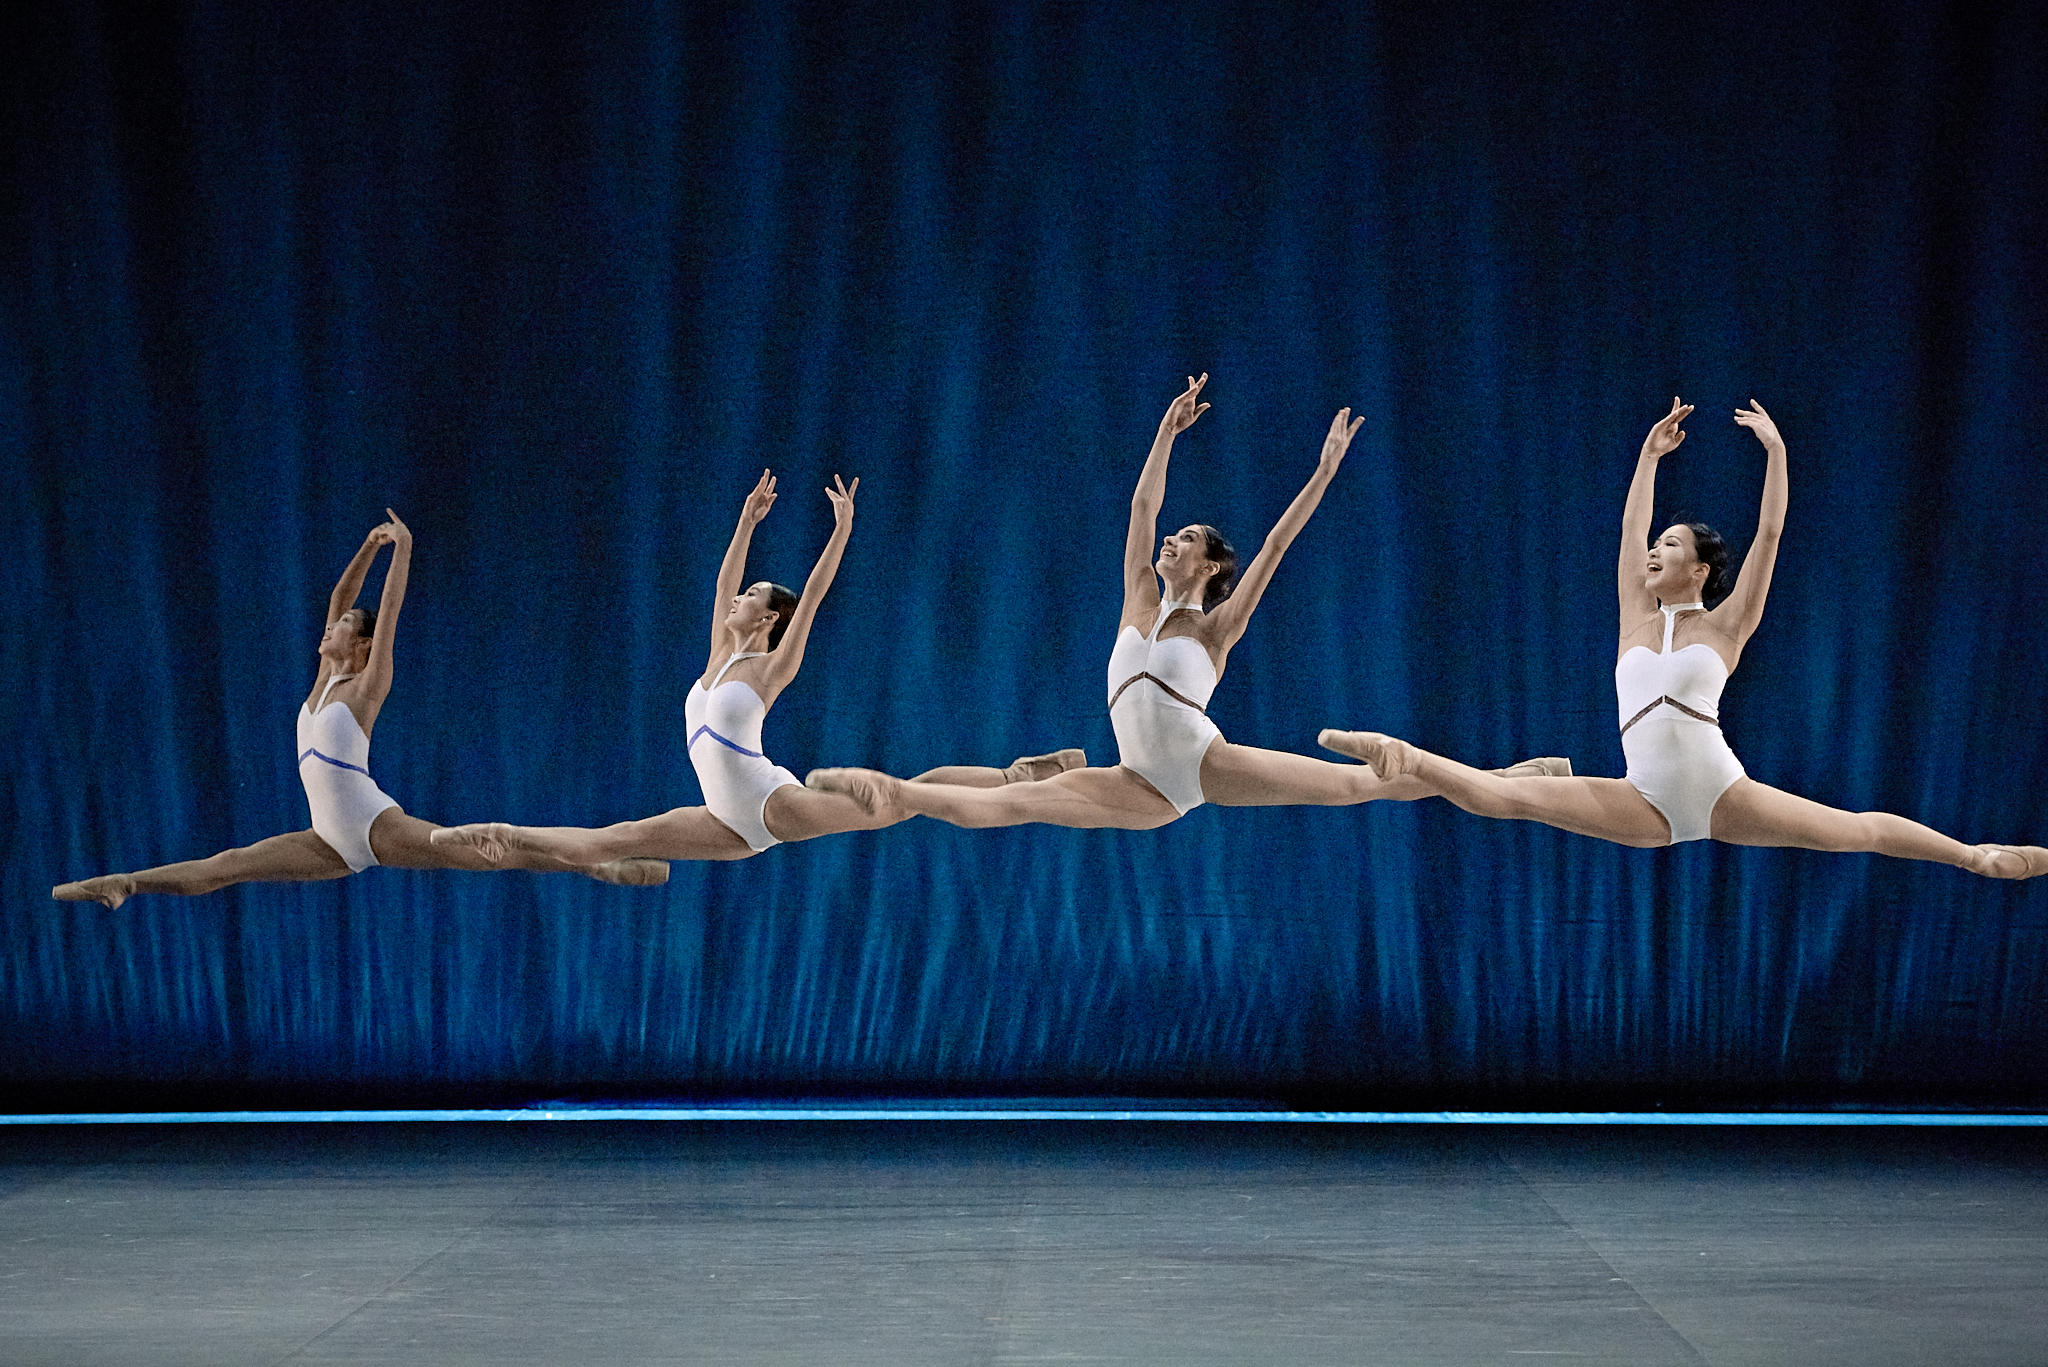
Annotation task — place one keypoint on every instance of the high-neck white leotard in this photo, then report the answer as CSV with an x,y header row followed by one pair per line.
x,y
1670,713
334,764
1157,690
724,721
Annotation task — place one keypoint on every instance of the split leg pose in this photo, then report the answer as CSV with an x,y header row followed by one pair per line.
x,y
758,636
1675,655
1171,649
355,823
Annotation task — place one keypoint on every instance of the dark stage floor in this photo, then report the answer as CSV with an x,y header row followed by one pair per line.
x,y
912,1243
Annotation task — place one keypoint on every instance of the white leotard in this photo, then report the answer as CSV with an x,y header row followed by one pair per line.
x,y
1157,690
725,748
1671,729
334,764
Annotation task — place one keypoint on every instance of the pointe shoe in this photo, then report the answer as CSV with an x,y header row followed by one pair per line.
x,y
1031,768
1544,766
858,784
110,890
2033,860
631,873
491,839
1388,757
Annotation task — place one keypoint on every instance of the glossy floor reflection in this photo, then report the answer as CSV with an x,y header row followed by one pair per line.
x,y
915,1243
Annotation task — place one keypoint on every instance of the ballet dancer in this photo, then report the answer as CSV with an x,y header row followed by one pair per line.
x,y
758,637
1170,650
1675,655
356,825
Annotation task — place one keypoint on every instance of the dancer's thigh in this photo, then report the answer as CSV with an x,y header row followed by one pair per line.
x,y
795,813
301,857
1752,813
1605,808
1246,776
680,833
1115,798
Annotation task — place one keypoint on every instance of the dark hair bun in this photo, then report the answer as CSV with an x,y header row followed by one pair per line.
x,y
1712,550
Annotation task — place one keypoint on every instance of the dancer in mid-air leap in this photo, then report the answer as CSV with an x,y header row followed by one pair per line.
x,y
1684,783
355,823
1170,651
750,803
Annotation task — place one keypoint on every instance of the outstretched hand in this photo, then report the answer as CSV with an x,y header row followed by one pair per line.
x,y
841,495
1343,428
1759,422
1666,436
1182,412
391,532
759,500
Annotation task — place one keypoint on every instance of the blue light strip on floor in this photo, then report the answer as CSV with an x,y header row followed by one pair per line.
x,y
700,1113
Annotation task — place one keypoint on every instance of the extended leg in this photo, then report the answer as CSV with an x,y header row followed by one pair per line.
x,y
405,842
1752,813
684,833
1023,769
1609,808
301,857
794,813
1246,776
1084,798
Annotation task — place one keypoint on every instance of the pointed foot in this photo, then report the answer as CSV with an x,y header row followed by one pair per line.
x,y
1031,768
494,840
1388,757
870,790
110,890
631,873
1544,766
2012,861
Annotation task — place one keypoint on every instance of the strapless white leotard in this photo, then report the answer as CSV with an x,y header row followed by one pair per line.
x,y
334,764
724,723
1670,712
1157,690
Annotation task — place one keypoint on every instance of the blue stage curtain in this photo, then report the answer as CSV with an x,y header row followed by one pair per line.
x,y
556,282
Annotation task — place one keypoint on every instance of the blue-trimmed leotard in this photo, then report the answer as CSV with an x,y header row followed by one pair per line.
x,y
724,723
334,764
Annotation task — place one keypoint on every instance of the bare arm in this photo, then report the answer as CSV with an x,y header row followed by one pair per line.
x,y
344,596
1234,613
734,567
1745,605
1664,438
375,682
788,656
1141,586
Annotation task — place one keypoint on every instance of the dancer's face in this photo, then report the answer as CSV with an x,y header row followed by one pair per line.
x,y
340,642
750,610
1674,572
1184,556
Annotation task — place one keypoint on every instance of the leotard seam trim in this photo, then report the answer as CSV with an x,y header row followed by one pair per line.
x,y
1165,687
337,763
730,745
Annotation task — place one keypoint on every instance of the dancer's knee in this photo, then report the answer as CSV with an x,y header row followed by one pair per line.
x,y
1503,798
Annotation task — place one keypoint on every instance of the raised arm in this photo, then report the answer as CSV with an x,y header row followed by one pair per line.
x,y
788,656
1664,438
1141,586
734,566
351,584
376,678
1234,613
1745,605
